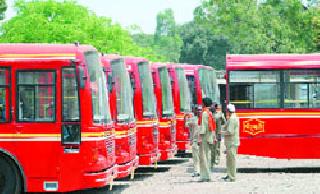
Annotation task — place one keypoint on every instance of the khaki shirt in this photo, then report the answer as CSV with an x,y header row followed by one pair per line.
x,y
206,135
220,120
192,123
231,135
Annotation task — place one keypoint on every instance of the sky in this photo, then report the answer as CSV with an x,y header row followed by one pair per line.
x,y
139,12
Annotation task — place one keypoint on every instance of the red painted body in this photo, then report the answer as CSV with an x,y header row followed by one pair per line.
x,y
144,109
125,129
165,110
36,146
283,132
178,86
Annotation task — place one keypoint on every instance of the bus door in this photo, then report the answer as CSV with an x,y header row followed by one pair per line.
x,y
37,129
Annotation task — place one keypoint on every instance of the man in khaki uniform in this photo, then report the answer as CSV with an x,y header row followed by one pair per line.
x,y
220,121
232,142
205,139
192,123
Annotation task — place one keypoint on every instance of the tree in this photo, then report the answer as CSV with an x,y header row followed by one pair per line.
x,y
166,25
166,40
253,26
201,46
3,9
316,29
66,22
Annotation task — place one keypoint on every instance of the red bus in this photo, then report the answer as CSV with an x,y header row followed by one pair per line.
x,y
202,83
122,113
145,110
56,129
166,115
277,97
182,104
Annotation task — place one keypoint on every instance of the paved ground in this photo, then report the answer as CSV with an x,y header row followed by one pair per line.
x,y
256,175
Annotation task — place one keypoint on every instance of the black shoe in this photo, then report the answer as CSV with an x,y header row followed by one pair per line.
x,y
195,174
229,180
226,177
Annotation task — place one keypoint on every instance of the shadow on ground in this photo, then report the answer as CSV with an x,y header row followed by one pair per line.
x,y
280,170
173,161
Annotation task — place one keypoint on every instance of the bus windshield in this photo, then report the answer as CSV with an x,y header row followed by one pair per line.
x,y
98,90
149,108
123,91
212,85
167,105
205,83
185,103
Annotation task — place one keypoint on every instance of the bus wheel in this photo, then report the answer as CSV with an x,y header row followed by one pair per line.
x,y
10,180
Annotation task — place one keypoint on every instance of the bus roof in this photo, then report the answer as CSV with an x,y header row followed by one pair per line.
x,y
107,59
42,51
158,65
189,69
129,59
272,61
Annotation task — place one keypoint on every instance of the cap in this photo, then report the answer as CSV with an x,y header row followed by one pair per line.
x,y
231,107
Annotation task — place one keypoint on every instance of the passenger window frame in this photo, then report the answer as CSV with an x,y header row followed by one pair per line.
x,y
53,85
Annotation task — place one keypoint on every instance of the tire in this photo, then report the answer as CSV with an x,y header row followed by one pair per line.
x,y
10,180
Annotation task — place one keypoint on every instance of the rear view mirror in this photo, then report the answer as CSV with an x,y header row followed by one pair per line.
x,y
82,78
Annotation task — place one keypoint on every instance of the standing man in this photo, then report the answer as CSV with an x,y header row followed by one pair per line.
x,y
232,142
220,120
205,139
192,123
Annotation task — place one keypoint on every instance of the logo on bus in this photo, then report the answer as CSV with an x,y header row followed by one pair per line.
x,y
253,126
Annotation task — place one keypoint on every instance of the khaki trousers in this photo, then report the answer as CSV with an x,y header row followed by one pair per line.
x,y
195,157
215,153
231,161
204,153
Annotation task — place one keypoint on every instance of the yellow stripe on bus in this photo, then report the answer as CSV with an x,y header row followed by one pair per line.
x,y
146,122
165,124
84,134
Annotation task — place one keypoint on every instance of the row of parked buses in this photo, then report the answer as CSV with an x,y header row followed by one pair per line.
x,y
72,119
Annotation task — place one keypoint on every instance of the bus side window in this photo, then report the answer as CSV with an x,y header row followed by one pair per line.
x,y
2,104
4,95
36,93
70,93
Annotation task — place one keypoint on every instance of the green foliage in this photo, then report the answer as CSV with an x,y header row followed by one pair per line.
x,y
201,46
166,24
53,21
252,27
316,29
3,9
166,41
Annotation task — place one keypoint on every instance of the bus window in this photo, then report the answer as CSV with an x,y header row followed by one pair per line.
x,y
4,107
149,108
301,89
185,99
255,89
36,96
99,93
167,104
120,77
192,88
70,99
